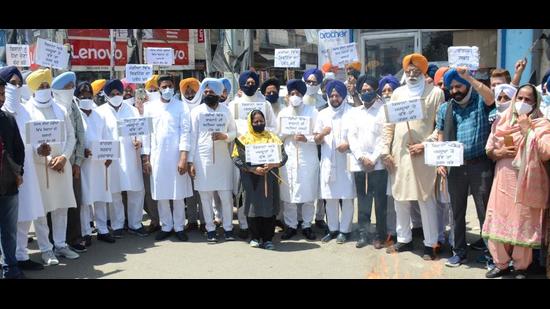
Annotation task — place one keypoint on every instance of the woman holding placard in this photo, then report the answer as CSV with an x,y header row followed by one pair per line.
x,y
260,181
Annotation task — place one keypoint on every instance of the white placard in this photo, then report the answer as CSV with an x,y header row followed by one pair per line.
x,y
159,56
138,73
51,54
212,122
106,150
464,56
444,154
263,153
135,126
353,164
405,110
18,55
293,125
287,58
45,131
344,54
242,109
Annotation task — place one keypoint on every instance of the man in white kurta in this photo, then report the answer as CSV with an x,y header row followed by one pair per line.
x,y
30,200
249,82
165,158
337,183
210,161
411,179
93,173
57,182
301,171
125,174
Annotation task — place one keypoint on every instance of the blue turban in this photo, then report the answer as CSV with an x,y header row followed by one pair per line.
x,y
63,79
247,74
213,84
227,84
339,86
318,74
388,79
8,72
365,79
113,84
451,75
296,84
270,82
83,86
432,68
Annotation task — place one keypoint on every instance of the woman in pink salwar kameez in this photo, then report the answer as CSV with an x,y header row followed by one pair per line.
x,y
519,195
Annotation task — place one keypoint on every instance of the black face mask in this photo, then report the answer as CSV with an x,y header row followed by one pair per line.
x,y
211,100
259,128
272,98
249,90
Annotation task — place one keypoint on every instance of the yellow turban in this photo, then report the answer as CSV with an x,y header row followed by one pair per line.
x,y
36,78
97,85
356,65
417,60
152,82
189,82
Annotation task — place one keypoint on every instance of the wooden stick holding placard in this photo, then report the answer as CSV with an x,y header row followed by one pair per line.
x,y
265,185
287,75
279,178
106,178
410,134
213,151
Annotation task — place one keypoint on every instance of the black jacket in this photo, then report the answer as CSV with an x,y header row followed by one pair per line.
x,y
12,156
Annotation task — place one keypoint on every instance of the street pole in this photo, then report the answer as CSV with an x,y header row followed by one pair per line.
x,y
112,58
250,48
207,51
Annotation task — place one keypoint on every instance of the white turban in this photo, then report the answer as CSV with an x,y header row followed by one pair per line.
x,y
509,90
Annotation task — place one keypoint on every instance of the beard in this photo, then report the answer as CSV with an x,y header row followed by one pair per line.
x,y
458,96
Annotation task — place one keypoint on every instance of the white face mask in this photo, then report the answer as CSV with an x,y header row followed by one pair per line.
x,y
412,81
153,96
503,106
295,101
86,104
312,90
13,98
64,97
523,108
43,96
130,101
26,93
115,101
167,94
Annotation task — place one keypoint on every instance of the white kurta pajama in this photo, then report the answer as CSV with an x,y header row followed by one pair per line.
x,y
413,180
336,181
213,174
92,176
171,135
56,199
125,174
301,171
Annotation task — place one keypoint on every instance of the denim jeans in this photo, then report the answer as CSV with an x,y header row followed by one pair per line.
x,y
8,233
377,184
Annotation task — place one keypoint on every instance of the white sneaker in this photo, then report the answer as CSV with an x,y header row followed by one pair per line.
x,y
254,243
66,253
49,258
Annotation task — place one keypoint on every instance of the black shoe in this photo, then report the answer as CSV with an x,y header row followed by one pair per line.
x,y
118,233
29,265
106,238
162,235
520,274
400,247
139,232
243,234
321,224
363,240
279,223
289,232
417,232
479,245
309,234
78,248
211,237
299,224
182,236
497,272
193,226
88,240
228,236
202,228
429,253
329,236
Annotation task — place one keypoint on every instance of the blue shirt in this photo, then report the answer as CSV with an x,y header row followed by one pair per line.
x,y
472,124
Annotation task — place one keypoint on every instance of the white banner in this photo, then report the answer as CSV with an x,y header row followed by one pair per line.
x,y
212,122
293,125
106,150
344,54
138,73
406,110
18,55
51,54
444,154
135,126
45,131
159,56
464,56
287,58
263,153
329,38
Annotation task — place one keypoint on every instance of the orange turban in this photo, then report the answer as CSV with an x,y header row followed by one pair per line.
x,y
189,82
439,74
417,60
97,85
328,67
356,65
152,82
